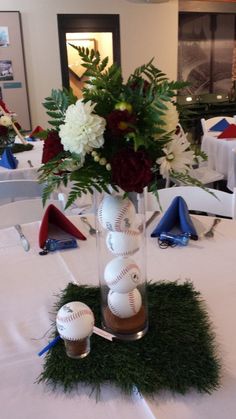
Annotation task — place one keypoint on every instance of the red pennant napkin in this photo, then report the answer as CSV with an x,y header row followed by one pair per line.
x,y
228,133
35,131
54,216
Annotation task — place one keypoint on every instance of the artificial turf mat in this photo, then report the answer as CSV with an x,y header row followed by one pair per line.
x,y
178,353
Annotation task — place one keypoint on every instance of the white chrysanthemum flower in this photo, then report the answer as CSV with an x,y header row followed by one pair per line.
x,y
6,121
171,117
82,130
176,158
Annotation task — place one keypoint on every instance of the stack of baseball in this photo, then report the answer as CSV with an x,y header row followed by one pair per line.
x,y
124,312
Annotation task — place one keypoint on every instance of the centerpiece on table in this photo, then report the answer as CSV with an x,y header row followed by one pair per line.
x,y
7,133
9,127
120,138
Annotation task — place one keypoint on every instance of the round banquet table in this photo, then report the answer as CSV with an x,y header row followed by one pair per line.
x,y
29,284
221,157
23,170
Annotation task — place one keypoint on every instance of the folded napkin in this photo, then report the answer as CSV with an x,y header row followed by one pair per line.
x,y
30,139
220,126
54,217
176,218
8,159
229,132
35,131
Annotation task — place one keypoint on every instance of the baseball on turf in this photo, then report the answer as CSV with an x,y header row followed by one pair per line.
x,y
124,305
116,213
75,321
122,275
123,243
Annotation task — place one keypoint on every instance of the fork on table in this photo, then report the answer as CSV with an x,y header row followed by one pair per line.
x,y
210,232
92,230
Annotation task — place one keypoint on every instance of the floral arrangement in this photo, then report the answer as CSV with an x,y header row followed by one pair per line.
x,y
9,128
121,134
6,127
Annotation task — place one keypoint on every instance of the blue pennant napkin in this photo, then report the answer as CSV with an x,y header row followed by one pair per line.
x,y
8,160
176,217
220,126
31,139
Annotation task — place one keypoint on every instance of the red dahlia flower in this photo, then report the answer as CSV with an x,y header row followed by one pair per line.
x,y
120,122
131,170
52,146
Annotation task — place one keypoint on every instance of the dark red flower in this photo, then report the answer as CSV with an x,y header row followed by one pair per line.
x,y
120,122
131,170
52,146
3,131
135,85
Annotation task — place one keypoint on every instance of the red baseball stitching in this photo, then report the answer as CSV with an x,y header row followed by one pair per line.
x,y
114,310
121,214
126,253
74,316
132,302
123,272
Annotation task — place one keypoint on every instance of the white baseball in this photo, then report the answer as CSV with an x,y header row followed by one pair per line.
x,y
116,213
74,321
124,305
122,275
123,243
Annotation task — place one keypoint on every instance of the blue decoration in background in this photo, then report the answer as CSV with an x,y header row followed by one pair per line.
x,y
8,159
220,126
176,217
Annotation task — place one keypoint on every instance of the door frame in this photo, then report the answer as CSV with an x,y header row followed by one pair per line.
x,y
87,23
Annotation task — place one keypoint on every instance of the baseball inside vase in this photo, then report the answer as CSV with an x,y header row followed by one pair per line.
x,y
121,251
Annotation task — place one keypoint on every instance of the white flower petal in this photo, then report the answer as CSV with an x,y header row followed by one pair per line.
x,y
82,130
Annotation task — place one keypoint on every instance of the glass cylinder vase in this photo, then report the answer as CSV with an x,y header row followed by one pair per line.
x,y
121,253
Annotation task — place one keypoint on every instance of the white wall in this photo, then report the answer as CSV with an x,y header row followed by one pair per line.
x,y
147,30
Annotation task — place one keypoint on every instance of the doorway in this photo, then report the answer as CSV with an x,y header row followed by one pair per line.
x,y
98,32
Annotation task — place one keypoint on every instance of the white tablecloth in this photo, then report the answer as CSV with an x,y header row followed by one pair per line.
x,y
221,157
29,285
23,170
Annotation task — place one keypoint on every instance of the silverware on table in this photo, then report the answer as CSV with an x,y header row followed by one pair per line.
x,y
92,230
210,232
23,239
30,163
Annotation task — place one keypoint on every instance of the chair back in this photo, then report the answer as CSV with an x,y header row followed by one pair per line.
x,y
208,123
197,199
24,211
20,189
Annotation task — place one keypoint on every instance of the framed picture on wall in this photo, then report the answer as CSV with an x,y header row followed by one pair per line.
x,y
4,36
13,83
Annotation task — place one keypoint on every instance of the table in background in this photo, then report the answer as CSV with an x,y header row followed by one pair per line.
x,y
23,170
221,157
28,291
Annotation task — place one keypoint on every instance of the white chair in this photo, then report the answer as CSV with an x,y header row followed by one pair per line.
x,y
197,199
210,122
24,211
12,190
203,173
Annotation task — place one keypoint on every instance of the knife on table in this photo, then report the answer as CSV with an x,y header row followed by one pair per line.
x,y
24,241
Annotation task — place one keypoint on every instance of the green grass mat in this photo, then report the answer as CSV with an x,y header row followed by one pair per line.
x,y
178,352
18,148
